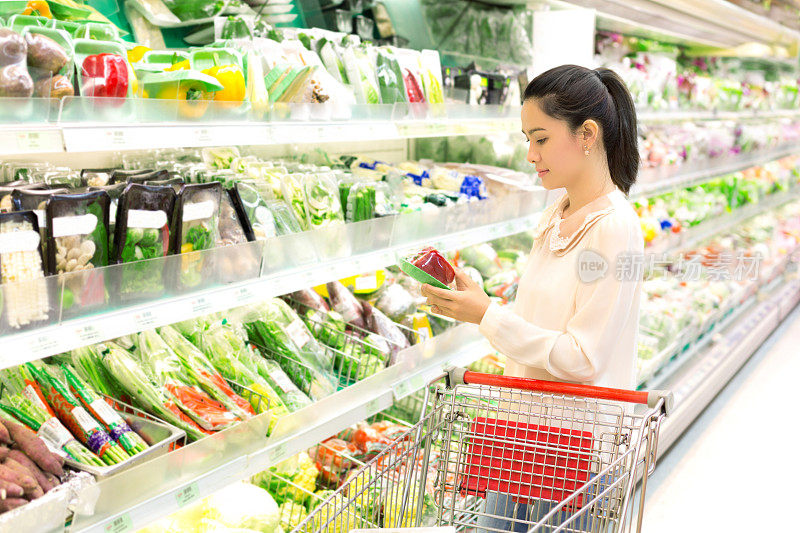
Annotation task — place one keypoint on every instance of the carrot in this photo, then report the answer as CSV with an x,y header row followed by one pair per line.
x,y
11,503
25,481
10,490
5,438
35,448
31,467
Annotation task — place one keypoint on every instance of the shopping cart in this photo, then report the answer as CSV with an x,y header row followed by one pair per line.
x,y
495,453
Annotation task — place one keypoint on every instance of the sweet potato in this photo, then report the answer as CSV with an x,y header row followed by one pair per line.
x,y
3,452
10,490
31,467
5,438
14,472
35,448
54,481
11,503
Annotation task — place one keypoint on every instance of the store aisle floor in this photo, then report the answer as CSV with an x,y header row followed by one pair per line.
x,y
735,468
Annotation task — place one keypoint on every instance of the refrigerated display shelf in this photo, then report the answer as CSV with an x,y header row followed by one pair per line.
x,y
143,494
161,128
696,382
654,181
695,235
291,263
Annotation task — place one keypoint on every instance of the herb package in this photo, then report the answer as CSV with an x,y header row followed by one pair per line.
x,y
283,218
25,298
196,230
77,244
143,232
114,193
97,177
293,193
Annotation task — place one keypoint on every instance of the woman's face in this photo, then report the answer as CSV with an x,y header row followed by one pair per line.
x,y
555,150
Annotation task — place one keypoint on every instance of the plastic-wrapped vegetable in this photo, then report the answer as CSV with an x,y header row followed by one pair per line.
x,y
395,301
322,201
310,298
293,193
78,242
25,295
197,228
346,304
379,323
143,232
482,257
275,326
390,77
291,396
361,72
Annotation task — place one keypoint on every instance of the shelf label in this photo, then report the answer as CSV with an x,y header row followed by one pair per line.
x,y
187,494
278,453
243,295
43,344
89,334
408,386
121,524
144,320
117,137
29,141
367,282
201,305
202,135
372,408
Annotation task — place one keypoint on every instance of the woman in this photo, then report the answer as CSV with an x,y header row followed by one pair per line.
x,y
576,313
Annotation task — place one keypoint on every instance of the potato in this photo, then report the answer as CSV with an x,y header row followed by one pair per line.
x,y
54,87
12,48
45,54
15,81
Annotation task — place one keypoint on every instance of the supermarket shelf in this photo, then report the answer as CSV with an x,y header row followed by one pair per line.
x,y
714,23
30,139
695,235
660,180
647,116
134,498
695,385
287,264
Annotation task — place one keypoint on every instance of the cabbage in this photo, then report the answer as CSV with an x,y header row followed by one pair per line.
x,y
242,505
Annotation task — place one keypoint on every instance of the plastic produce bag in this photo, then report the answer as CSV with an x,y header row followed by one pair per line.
x,y
78,243
15,81
322,200
380,324
197,229
25,298
360,70
143,232
390,77
346,304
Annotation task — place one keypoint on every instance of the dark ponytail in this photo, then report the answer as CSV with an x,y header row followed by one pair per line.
x,y
576,94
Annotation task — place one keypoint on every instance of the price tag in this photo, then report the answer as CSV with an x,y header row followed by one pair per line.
x,y
144,320
88,334
243,295
29,141
201,305
187,494
202,135
408,386
372,408
367,282
278,454
117,137
120,524
43,344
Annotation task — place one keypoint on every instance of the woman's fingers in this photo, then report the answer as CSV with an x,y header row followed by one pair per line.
x,y
463,281
442,294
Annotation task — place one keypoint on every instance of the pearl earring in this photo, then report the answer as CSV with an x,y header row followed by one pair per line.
x,y
585,150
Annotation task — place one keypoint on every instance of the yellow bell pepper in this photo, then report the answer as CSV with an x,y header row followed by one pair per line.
x,y
233,86
38,7
180,65
192,97
136,53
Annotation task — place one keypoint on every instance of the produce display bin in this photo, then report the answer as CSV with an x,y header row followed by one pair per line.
x,y
50,512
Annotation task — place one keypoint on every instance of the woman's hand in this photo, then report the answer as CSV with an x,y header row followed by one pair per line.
x,y
467,304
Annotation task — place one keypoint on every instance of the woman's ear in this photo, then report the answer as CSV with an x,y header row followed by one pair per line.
x,y
589,133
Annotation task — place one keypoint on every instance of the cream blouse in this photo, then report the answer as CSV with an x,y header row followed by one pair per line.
x,y
571,321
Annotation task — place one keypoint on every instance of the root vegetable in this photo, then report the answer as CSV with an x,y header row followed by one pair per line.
x,y
13,475
3,452
5,438
35,448
53,87
9,504
45,54
31,467
10,490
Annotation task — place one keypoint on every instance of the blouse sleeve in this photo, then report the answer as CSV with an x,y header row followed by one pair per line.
x,y
582,351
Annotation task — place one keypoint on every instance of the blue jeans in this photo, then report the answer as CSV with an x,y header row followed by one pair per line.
x,y
519,517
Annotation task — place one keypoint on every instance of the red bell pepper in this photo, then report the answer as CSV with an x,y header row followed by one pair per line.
x,y
105,75
434,264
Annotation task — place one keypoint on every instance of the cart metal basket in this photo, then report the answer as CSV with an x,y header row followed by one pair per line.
x,y
495,453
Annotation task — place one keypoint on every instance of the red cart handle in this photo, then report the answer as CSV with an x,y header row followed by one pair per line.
x,y
458,376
